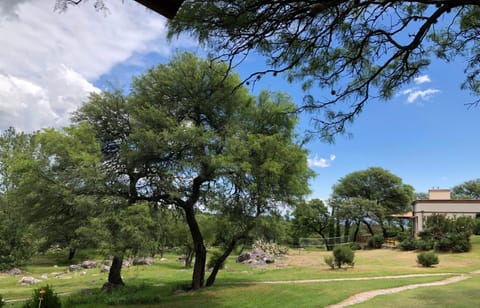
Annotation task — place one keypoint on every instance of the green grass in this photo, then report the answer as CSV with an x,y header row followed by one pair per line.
x,y
155,286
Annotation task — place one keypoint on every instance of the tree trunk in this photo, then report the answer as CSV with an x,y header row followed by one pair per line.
x,y
198,278
346,232
71,253
115,275
219,261
355,234
369,227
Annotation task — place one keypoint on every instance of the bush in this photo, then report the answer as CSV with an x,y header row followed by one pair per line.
x,y
43,297
213,259
343,254
376,241
329,261
355,246
270,247
427,259
424,245
408,244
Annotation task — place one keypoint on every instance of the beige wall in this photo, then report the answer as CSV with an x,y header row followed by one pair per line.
x,y
450,208
439,194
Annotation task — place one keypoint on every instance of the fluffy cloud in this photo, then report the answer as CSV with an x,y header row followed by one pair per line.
x,y
422,79
49,60
321,162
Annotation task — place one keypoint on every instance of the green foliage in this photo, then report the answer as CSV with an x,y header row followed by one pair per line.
x,y
343,254
2,301
376,241
424,245
270,247
448,234
329,261
408,244
215,255
427,259
311,217
44,297
467,190
355,246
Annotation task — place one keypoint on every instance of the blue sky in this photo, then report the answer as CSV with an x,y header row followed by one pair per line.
x,y
49,62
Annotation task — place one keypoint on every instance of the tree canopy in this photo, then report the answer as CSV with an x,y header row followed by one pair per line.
x,y
345,53
467,190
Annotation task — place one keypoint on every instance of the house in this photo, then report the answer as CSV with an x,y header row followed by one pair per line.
x,y
167,8
440,202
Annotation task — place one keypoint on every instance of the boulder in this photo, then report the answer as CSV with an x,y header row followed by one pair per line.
x,y
104,268
28,280
14,271
268,259
244,256
74,268
142,261
88,264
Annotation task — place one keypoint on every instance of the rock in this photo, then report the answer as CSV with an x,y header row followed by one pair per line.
x,y
163,259
281,264
268,259
142,261
83,273
107,262
88,264
28,280
104,268
74,268
126,263
258,254
14,271
243,257
44,276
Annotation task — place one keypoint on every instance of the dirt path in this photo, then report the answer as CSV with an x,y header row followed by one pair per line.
x,y
365,296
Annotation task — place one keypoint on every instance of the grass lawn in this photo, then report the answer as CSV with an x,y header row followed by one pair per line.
x,y
156,285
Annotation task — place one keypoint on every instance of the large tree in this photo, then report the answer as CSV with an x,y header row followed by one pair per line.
x,y
187,132
372,195
345,53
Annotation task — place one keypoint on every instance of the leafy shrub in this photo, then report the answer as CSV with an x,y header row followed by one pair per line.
x,y
401,236
43,297
355,246
449,234
343,254
329,261
376,241
213,259
424,245
408,244
271,248
476,226
427,259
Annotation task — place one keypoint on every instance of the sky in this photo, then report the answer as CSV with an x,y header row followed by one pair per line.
x,y
50,61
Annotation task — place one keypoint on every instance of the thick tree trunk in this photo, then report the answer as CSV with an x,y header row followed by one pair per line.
x,y
346,232
355,234
198,278
115,274
369,227
218,263
71,253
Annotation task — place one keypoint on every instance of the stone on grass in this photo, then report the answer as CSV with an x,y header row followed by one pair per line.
x,y
28,280
104,268
88,264
74,268
14,271
142,261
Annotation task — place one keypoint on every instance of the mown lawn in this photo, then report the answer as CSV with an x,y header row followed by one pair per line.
x,y
158,285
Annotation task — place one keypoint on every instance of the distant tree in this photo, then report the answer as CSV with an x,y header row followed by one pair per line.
x,y
355,51
372,195
467,190
312,217
421,196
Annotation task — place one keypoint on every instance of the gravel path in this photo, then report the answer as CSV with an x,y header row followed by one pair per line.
x,y
365,296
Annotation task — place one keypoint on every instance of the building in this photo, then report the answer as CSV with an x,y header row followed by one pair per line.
x,y
440,202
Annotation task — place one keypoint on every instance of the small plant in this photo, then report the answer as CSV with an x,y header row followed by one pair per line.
x,y
427,259
424,245
329,261
343,254
376,241
355,246
43,298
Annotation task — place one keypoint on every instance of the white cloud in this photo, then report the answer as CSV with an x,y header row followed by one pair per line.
x,y
414,94
422,79
321,162
49,60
